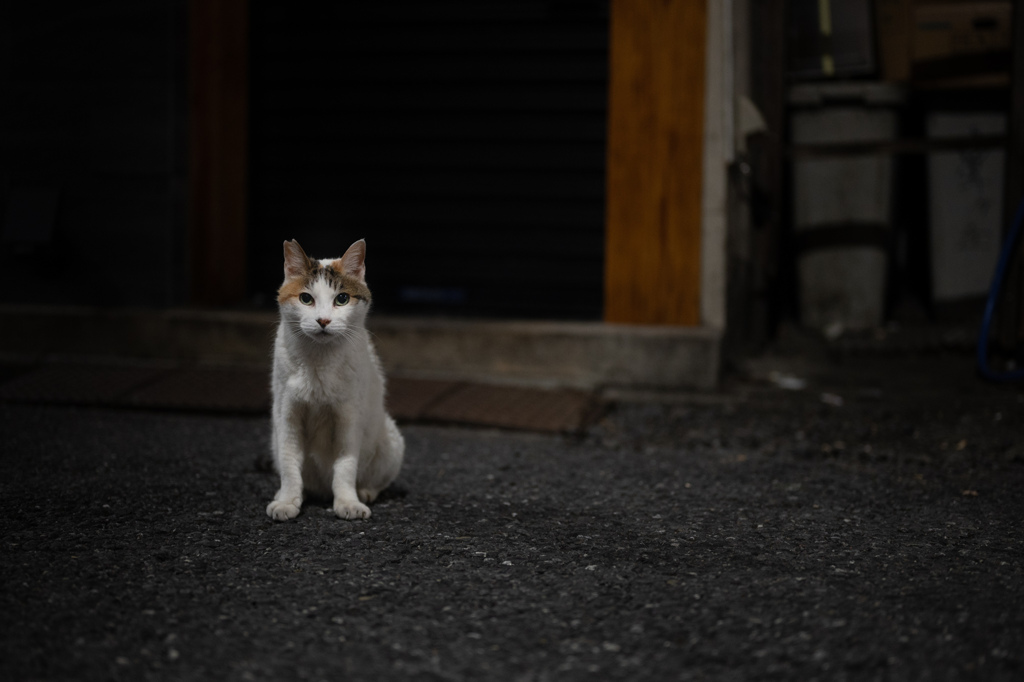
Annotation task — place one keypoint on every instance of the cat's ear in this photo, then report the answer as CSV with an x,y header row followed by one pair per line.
x,y
353,263
296,264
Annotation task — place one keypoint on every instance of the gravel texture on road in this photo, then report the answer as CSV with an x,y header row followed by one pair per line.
x,y
768,534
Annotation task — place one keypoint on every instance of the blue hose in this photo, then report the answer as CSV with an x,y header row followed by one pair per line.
x,y
990,306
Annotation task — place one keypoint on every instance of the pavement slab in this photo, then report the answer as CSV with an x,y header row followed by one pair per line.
x,y
77,384
512,407
206,388
768,534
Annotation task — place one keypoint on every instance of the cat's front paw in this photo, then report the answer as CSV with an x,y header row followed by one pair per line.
x,y
282,510
351,509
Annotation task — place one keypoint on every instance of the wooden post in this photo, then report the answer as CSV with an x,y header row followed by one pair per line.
x,y
218,109
655,159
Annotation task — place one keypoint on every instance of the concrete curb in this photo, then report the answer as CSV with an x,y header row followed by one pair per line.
x,y
205,336
575,354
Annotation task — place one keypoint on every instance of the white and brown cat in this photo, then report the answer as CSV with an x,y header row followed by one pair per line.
x,y
331,433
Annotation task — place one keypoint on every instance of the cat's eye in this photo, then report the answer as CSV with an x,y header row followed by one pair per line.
x,y
341,299
305,299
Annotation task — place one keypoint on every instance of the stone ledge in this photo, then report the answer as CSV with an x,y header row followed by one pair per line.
x,y
577,354
573,354
205,336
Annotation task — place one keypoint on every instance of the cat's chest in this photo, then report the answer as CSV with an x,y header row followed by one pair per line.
x,y
323,385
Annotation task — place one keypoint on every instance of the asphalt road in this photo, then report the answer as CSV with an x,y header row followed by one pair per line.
x,y
762,534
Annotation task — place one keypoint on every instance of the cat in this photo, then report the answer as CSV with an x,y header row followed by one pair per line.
x,y
331,434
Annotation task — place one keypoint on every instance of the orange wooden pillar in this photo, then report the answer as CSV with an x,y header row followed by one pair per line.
x,y
217,115
655,160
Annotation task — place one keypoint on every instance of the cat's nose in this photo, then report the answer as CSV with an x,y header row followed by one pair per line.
x,y
323,323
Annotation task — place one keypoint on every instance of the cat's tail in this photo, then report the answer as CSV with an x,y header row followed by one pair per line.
x,y
384,466
395,442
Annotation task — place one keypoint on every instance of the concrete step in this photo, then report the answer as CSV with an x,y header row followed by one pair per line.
x,y
581,355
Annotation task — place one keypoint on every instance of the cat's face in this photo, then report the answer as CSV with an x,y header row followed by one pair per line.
x,y
324,300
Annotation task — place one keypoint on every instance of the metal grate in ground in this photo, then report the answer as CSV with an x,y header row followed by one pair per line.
x,y
233,390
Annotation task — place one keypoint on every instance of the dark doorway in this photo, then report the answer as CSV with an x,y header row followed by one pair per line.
x,y
464,140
